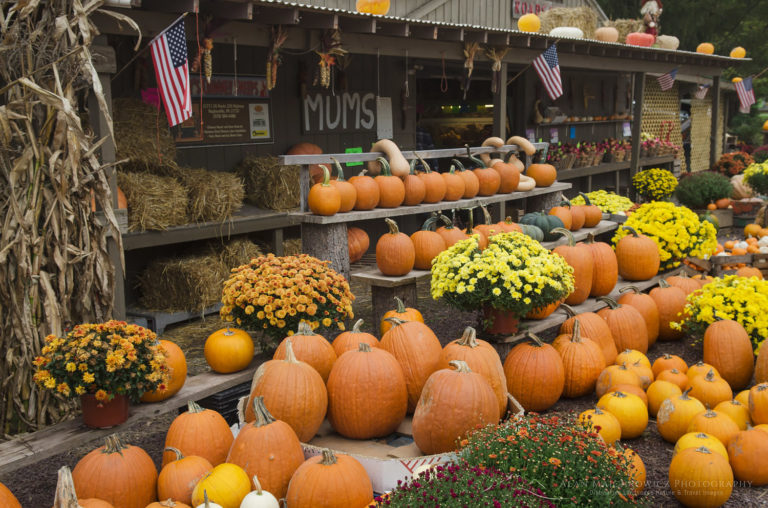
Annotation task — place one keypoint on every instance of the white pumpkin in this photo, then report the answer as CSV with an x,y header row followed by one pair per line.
x,y
567,31
668,42
741,245
259,498
208,504
607,34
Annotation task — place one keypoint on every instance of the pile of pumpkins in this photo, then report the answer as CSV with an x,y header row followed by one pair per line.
x,y
393,181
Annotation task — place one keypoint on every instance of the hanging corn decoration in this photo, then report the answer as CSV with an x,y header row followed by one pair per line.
x,y
207,59
330,49
496,55
470,49
274,58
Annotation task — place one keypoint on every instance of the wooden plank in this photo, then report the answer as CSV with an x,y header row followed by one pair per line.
x,y
171,5
396,29
498,38
357,25
655,161
32,447
445,33
603,226
319,20
228,10
639,93
276,15
500,104
476,36
423,31
610,167
104,59
374,277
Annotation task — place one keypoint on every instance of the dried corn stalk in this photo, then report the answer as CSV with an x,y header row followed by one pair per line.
x,y
55,270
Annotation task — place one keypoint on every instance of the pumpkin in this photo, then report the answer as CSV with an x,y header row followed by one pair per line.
x,y
357,243
643,372
697,439
433,183
627,325
367,394
471,182
636,469
580,258
747,451
571,32
640,39
90,503
743,397
605,271
736,411
762,426
482,240
543,312
226,486
417,349
488,229
415,189
564,214
535,374
700,477
738,52
228,350
400,312
705,47
671,303
482,358
200,432
267,448
758,403
309,347
719,425
453,403
637,257
592,213
259,498
659,391
604,423
749,271
123,475
508,226
315,171
594,327
674,376
427,244
488,178
177,366
347,191
544,174
583,362
368,193
509,175
710,389
607,34
675,416
331,481
293,392
682,281
391,188
532,231
529,23
630,356
633,389
178,478
207,503
615,375
646,306
351,339
7,498
324,198
700,369
761,366
628,409
727,347
454,185
668,361
577,216
544,222
450,234
395,254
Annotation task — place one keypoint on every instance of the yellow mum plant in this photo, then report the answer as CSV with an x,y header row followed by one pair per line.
x,y
654,183
104,359
274,294
608,202
514,273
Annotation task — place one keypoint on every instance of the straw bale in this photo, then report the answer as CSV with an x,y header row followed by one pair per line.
x,y
213,195
155,202
238,252
189,283
583,18
270,185
292,246
142,136
625,26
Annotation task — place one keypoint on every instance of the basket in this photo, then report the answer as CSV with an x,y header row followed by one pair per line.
x,y
566,162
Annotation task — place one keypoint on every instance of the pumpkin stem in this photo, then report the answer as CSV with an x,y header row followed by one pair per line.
x,y
329,458
364,347
568,310
112,444
663,283
534,338
486,214
703,449
634,289
448,222
205,499
567,234
685,396
468,338
459,366
176,451
565,203
586,199
385,169
709,413
194,407
576,335
471,222
263,416
631,230
413,166
290,356
339,171
458,164
619,394
326,176
431,223
427,169
257,485
400,305
710,375
65,490
590,239
598,411
304,329
508,156
356,327
610,301
393,229
477,162
395,321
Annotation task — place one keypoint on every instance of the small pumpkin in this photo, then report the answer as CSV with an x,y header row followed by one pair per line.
x,y
544,222
628,409
368,193
7,498
331,481
607,34
682,281
646,306
544,174
583,362
743,397
471,182
700,369
710,389
668,361
259,498
395,254
303,148
228,350
226,486
700,477
747,451
637,256
177,365
643,372
697,439
357,243
614,375
324,198
580,258
659,391
415,189
715,424
391,188
488,178
564,214
675,416
604,423
488,229
200,432
594,327
450,234
674,376
427,244
400,312
705,47
178,478
592,213
508,226
434,184
630,356
510,176
758,403
633,389
454,185
351,339
671,303
737,412
627,325
727,347
535,374
636,469
347,191
605,271
308,347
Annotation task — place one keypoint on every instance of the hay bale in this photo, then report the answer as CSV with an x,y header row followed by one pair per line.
x,y
239,252
188,283
625,26
213,195
583,18
292,247
154,202
270,185
142,136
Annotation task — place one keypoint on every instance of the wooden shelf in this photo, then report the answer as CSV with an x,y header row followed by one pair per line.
x,y
587,122
604,226
652,161
608,167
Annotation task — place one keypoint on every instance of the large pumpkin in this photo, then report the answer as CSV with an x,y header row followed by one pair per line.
x,y
482,358
400,312
453,403
330,481
761,366
201,432
123,475
715,424
535,374
637,256
710,389
727,347
418,351
351,339
367,394
747,451
427,244
583,362
564,214
228,350
395,254
293,392
7,498
580,258
311,348
357,243
178,478
225,486
627,325
682,281
594,327
267,448
699,477
646,306
315,171
605,268
177,365
671,302
675,416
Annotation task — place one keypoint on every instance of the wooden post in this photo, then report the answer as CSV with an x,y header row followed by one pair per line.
x,y
327,242
637,124
500,105
715,117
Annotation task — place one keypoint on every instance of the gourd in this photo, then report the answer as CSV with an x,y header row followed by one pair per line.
x,y
658,392
627,325
433,183
699,477
522,143
604,423
395,254
415,189
347,191
357,243
580,258
226,486
265,447
259,498
397,163
324,198
367,394
123,475
614,375
535,374
705,47
454,185
177,365
727,347
570,32
668,361
452,404
544,174
228,350
736,411
747,451
675,416
594,327
450,234
401,312
200,432
391,188
178,478
674,376
640,39
308,347
646,306
607,34
488,178
471,182
583,362
628,409
697,439
331,481
637,256
351,339
671,303
368,193
715,424
544,222
592,213
293,392
315,172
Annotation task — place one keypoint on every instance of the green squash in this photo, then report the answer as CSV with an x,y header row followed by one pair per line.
x,y
710,217
545,222
534,232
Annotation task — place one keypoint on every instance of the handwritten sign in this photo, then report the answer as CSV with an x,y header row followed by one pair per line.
x,y
346,112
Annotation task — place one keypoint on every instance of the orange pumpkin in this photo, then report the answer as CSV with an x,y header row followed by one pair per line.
x,y
427,244
324,198
177,365
580,258
747,451
471,182
178,478
675,377
330,480
434,184
395,254
347,191
7,498
200,432
627,325
309,347
315,171
357,243
594,327
564,214
454,185
644,304
415,189
671,303
637,256
400,312
535,374
228,350
544,174
391,188
668,361
750,271
583,361
510,176
367,189
723,203
351,339
727,347
450,234
592,213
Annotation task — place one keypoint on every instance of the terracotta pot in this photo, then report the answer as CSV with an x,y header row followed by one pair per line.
x,y
543,312
504,321
98,415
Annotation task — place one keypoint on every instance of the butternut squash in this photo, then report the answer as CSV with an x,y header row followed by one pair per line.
x,y
397,163
523,143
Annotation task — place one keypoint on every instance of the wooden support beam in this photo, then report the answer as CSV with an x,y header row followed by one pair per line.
x,y
171,5
445,33
319,20
423,31
478,36
498,39
715,119
396,29
275,15
358,25
637,112
500,104
228,10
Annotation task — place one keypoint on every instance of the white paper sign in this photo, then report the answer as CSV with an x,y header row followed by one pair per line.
x,y
626,129
531,135
384,118
554,137
259,115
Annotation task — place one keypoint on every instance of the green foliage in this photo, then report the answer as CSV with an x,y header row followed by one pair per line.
x,y
760,154
697,190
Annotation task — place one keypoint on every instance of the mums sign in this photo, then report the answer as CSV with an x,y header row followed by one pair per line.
x,y
520,7
349,111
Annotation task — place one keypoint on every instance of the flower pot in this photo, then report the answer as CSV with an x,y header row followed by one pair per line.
x,y
544,312
503,321
103,415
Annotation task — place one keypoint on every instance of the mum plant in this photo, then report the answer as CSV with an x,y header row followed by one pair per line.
x,y
677,231
733,163
608,202
697,190
104,359
274,294
654,184
756,176
513,273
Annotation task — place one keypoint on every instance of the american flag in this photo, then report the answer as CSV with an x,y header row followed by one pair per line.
x,y
169,54
548,69
667,80
702,91
746,93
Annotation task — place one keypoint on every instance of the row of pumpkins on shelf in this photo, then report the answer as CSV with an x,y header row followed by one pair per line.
x,y
391,182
